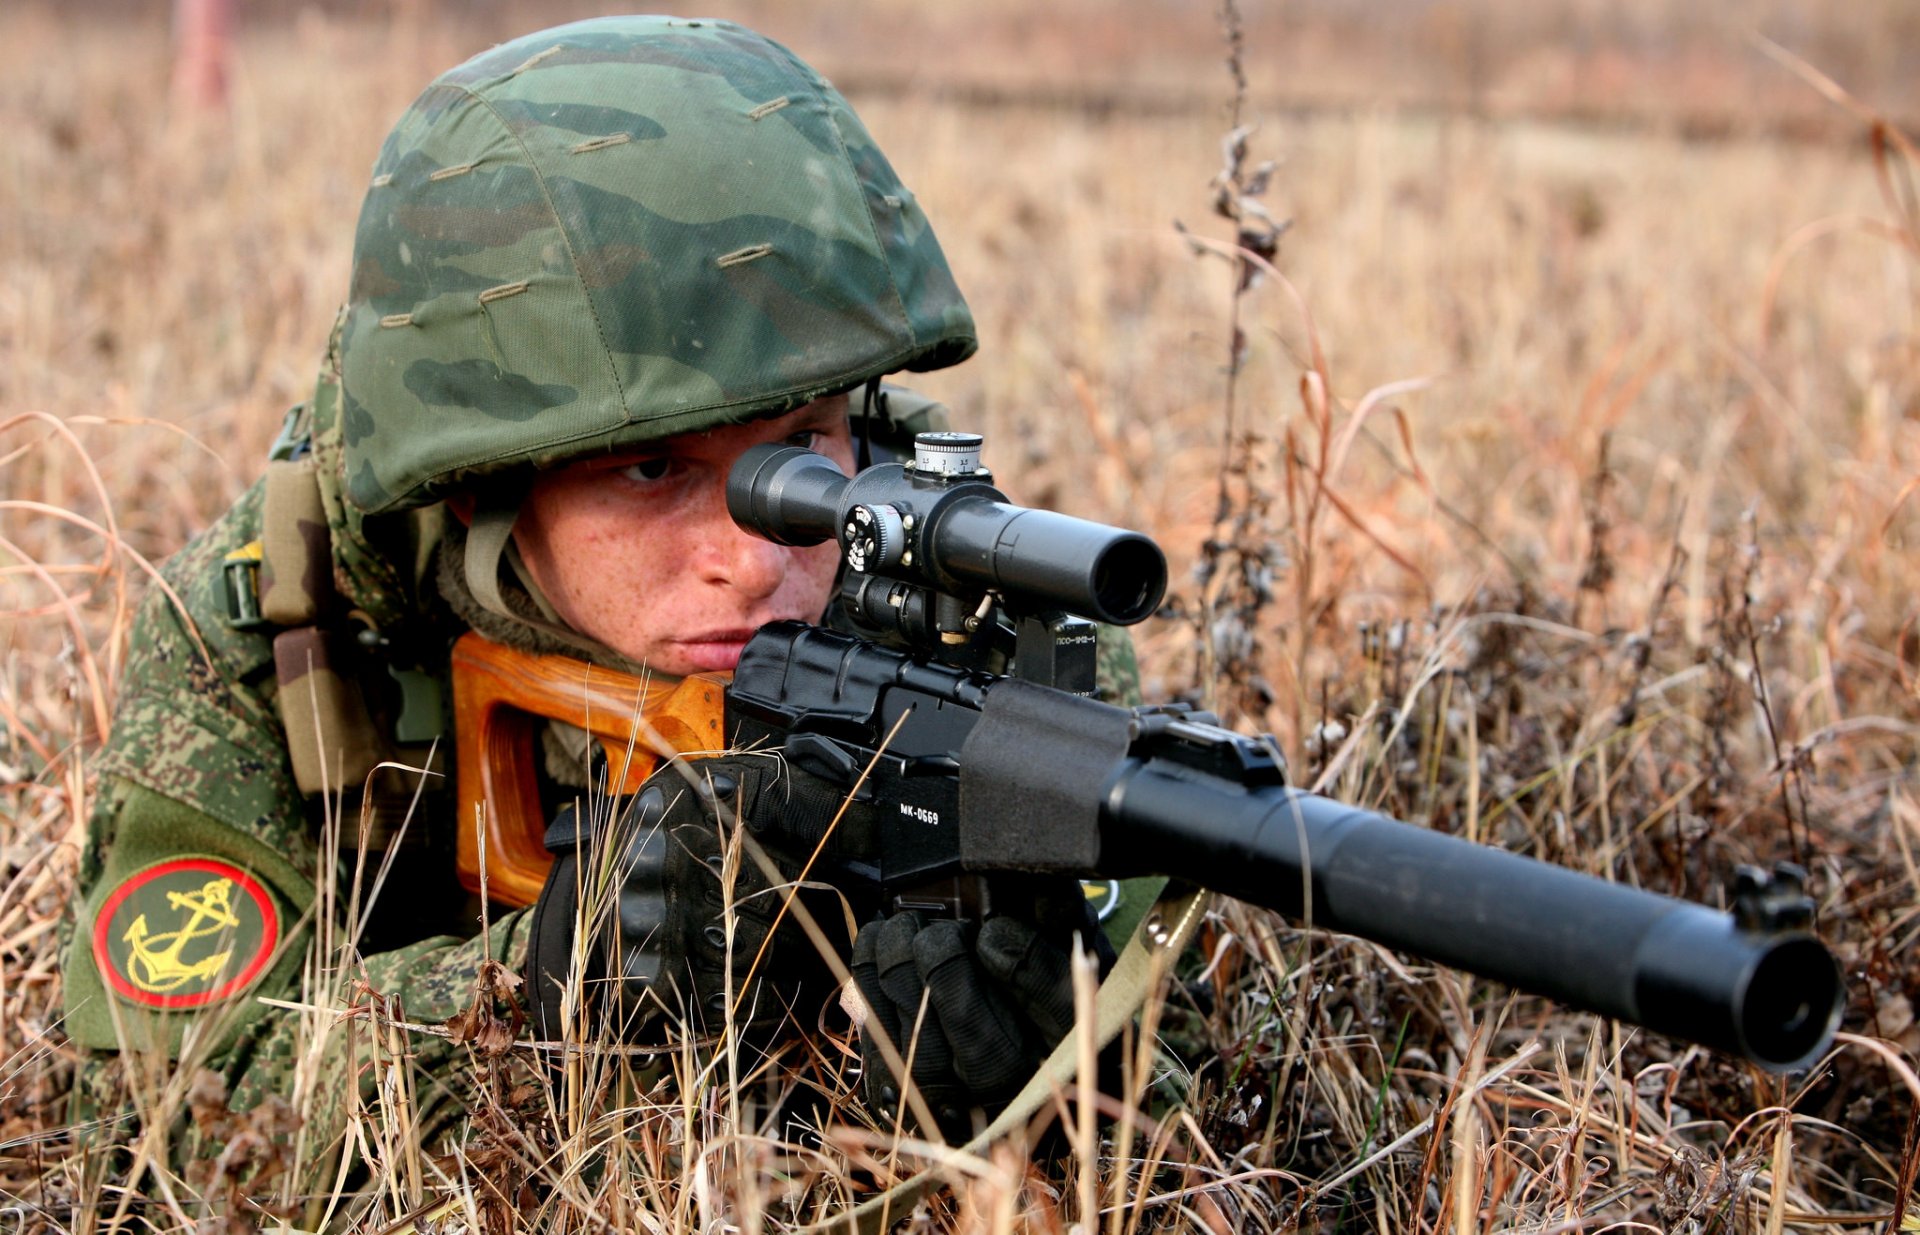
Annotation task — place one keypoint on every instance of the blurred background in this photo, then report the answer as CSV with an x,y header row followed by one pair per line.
x,y
1558,221
1543,229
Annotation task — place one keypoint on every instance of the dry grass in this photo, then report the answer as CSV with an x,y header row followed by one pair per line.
x,y
1626,583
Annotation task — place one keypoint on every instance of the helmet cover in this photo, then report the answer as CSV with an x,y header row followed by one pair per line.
x,y
615,231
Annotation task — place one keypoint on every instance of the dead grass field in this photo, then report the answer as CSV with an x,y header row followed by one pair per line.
x,y
1619,570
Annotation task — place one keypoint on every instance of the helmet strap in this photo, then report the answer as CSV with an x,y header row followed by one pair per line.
x,y
518,565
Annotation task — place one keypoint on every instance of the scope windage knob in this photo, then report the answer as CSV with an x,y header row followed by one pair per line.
x,y
947,454
874,538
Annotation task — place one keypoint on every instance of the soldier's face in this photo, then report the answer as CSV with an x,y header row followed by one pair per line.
x,y
637,550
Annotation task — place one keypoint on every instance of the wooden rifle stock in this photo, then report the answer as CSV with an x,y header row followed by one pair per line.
x,y
500,695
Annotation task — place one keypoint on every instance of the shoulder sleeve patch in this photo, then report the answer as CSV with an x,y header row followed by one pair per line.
x,y
185,933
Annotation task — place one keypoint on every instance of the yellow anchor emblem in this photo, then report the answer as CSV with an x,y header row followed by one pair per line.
x,y
155,964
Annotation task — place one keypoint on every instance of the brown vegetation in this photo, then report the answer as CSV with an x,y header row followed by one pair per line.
x,y
1570,509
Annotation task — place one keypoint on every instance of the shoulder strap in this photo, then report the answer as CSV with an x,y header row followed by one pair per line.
x,y
331,738
296,549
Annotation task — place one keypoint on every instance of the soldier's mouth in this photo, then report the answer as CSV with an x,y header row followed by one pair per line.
x,y
714,651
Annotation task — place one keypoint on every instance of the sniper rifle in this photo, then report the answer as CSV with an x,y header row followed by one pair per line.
x,y
961,725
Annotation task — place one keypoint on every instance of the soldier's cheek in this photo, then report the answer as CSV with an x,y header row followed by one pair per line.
x,y
809,585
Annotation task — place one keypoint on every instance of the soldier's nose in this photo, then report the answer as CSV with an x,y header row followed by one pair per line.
x,y
754,567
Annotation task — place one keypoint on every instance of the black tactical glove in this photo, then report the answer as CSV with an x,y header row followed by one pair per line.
x,y
667,950
996,998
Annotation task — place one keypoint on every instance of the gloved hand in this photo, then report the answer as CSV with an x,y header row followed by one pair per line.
x,y
996,997
668,949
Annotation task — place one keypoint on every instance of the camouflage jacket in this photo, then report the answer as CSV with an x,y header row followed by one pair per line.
x,y
211,882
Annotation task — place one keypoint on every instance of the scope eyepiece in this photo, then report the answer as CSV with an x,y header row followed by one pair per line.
x,y
789,495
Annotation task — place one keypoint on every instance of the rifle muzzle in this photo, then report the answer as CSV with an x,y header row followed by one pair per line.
x,y
1673,966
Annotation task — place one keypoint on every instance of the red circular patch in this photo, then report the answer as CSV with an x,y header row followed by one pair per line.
x,y
185,933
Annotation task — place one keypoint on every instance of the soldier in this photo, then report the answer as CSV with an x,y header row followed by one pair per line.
x,y
593,266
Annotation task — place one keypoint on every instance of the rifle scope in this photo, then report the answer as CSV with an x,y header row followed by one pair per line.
x,y
939,523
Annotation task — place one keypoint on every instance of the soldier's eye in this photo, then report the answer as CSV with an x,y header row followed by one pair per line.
x,y
655,468
806,439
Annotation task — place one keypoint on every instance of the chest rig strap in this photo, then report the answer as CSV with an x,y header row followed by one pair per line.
x,y
283,582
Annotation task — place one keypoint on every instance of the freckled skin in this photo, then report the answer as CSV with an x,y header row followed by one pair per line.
x,y
637,550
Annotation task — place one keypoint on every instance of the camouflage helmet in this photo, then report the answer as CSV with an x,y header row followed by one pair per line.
x,y
615,231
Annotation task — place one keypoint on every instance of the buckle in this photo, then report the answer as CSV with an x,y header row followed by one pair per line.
x,y
295,437
241,571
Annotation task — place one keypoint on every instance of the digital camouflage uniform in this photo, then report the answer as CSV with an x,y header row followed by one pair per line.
x,y
578,242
